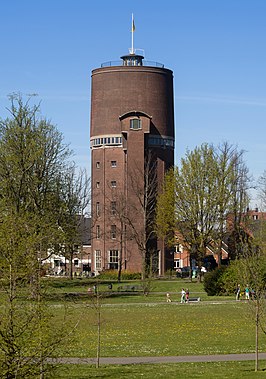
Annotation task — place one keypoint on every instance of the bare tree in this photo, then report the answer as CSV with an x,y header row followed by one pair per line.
x,y
232,191
144,187
117,210
75,200
262,189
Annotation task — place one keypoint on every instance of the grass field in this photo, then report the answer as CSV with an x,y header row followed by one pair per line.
x,y
137,325
217,370
162,329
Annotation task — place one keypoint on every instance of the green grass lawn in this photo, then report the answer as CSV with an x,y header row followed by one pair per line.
x,y
216,370
161,329
137,325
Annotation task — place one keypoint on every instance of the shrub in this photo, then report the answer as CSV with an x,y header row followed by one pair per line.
x,y
230,279
169,273
213,283
125,275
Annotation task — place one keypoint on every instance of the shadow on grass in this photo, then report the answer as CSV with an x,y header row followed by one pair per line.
x,y
78,296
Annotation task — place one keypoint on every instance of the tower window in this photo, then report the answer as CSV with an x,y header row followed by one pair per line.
x,y
98,260
113,207
113,163
97,209
135,124
113,231
97,231
97,184
113,183
98,165
113,259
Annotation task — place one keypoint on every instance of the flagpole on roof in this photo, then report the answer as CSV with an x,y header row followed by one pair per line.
x,y
132,34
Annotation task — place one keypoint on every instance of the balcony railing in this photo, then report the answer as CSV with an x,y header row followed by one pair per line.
x,y
121,63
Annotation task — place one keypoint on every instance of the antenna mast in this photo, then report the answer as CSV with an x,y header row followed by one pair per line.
x,y
132,35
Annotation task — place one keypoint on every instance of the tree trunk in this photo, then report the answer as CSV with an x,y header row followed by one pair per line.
x,y
143,273
71,263
120,258
219,253
257,337
98,306
119,272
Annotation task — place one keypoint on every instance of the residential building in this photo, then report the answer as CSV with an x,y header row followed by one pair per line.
x,y
59,263
252,220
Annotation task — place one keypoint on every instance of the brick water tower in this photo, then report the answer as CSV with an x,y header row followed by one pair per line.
x,y
132,147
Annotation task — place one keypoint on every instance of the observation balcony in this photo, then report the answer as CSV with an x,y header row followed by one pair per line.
x,y
132,60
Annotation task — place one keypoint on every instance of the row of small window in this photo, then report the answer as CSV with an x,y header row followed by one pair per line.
x,y
113,232
59,263
113,164
113,258
135,124
112,208
161,141
113,184
106,141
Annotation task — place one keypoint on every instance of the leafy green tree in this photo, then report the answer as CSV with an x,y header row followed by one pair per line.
x,y
198,196
195,207
249,271
32,158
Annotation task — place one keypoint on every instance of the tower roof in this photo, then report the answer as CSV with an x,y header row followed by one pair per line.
x,y
132,60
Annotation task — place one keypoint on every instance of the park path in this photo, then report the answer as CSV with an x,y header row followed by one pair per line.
x,y
163,359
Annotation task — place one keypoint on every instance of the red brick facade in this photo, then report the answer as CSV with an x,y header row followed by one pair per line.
x,y
132,117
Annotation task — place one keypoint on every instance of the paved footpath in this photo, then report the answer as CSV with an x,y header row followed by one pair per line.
x,y
165,359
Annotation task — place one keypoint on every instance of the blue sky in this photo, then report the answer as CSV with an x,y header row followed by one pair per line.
x,y
216,49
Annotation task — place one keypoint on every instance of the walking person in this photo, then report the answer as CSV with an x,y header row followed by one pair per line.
x,y
247,292
238,292
187,295
183,294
